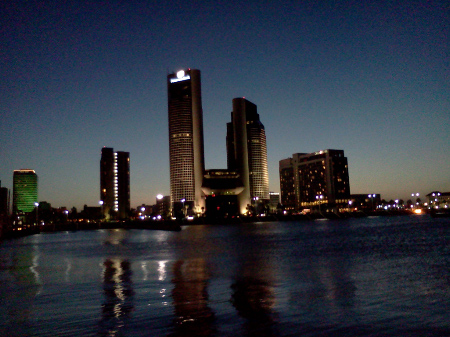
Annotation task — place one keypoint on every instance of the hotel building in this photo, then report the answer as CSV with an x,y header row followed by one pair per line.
x,y
186,149
115,183
313,179
25,191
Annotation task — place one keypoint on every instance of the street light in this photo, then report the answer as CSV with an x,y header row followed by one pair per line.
x,y
101,204
415,195
37,213
371,197
319,198
183,200
255,204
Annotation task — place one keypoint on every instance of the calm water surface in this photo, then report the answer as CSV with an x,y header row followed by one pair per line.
x,y
359,277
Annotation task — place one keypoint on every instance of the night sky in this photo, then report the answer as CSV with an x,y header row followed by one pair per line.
x,y
369,77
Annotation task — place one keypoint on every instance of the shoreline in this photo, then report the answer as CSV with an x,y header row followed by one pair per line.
x,y
175,225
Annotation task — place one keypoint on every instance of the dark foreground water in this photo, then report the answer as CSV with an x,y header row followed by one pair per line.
x,y
360,277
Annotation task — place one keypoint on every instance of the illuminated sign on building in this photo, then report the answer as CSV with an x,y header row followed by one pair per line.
x,y
181,76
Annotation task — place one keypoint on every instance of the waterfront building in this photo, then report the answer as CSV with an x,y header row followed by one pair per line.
x,y
162,206
25,191
144,211
314,180
437,200
186,149
247,153
114,183
364,201
274,201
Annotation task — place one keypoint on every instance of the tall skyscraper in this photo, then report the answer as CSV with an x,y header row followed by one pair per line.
x,y
25,191
310,179
247,152
115,183
186,150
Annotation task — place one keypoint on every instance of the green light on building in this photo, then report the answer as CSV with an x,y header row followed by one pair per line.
x,y
25,190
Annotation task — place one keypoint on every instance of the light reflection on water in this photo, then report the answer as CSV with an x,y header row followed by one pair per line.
x,y
377,276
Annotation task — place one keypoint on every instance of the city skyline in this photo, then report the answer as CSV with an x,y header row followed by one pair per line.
x,y
369,79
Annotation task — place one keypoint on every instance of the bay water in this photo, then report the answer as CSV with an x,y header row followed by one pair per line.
x,y
375,276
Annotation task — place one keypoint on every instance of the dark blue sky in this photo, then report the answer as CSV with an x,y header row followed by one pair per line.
x,y
371,78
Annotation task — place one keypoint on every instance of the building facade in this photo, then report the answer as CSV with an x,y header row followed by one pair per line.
x,y
247,152
315,180
114,183
186,149
25,191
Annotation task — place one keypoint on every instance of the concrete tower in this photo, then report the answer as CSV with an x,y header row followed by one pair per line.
x,y
186,149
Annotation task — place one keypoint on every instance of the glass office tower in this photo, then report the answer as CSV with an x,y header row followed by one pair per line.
x,y
25,191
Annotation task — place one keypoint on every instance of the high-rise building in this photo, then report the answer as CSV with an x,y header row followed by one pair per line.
x,y
115,183
247,152
313,179
4,209
25,191
186,149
